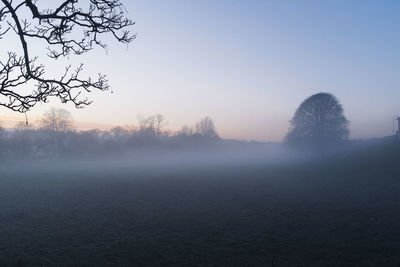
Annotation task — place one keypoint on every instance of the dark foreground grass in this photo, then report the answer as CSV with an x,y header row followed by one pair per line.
x,y
342,213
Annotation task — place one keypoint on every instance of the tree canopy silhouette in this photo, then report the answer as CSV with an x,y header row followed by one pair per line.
x,y
318,121
69,28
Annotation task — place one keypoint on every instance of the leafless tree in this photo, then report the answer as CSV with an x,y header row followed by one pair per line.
x,y
206,127
57,121
2,141
151,124
119,133
147,124
71,27
2,133
186,131
160,123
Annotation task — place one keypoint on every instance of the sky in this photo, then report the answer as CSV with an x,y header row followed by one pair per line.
x,y
246,64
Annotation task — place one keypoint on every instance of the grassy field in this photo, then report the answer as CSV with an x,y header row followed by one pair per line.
x,y
334,213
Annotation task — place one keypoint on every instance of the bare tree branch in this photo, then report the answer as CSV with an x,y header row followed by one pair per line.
x,y
58,29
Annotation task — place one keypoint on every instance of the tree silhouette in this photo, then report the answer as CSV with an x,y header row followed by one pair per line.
x,y
205,127
2,142
2,134
319,121
22,140
57,123
67,29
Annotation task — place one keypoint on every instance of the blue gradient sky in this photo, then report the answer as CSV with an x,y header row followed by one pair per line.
x,y
249,64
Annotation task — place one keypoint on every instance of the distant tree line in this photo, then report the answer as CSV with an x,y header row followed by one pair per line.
x,y
318,125
56,137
